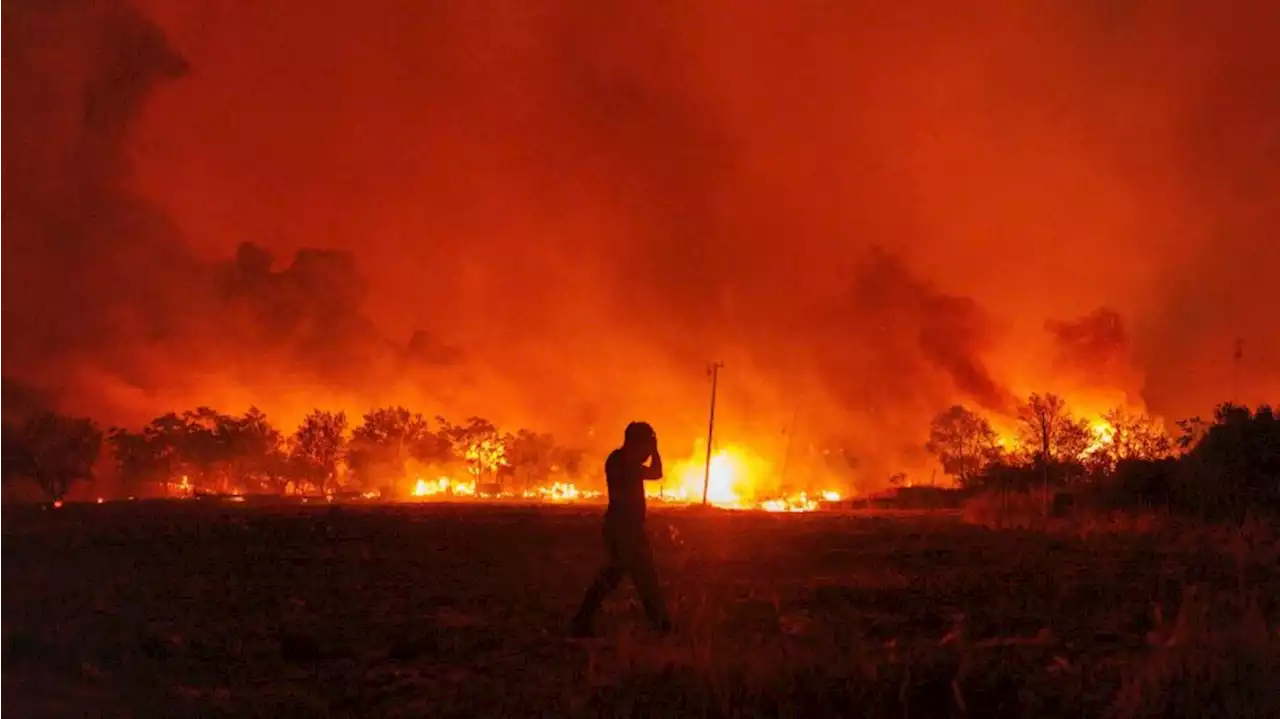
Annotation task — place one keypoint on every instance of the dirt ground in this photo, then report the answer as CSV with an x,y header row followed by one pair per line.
x,y
200,608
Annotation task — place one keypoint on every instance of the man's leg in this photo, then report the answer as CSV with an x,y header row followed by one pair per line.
x,y
605,582
645,576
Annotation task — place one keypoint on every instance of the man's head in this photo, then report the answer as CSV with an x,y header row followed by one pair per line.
x,y
639,440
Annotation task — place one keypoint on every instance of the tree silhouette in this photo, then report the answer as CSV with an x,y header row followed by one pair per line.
x,y
1131,437
1236,465
1191,431
186,445
567,460
203,447
433,448
14,459
478,443
531,456
963,442
1051,436
1048,431
211,449
54,450
251,449
141,458
385,441
166,438
318,446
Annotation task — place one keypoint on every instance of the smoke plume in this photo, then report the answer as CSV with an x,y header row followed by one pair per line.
x,y
553,216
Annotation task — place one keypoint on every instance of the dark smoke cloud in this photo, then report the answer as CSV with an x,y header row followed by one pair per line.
x,y
22,400
86,259
308,318
914,344
106,309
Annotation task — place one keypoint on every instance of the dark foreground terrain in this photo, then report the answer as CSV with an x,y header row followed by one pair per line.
x,y
197,608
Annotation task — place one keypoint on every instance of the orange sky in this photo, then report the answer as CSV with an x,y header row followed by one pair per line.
x,y
589,200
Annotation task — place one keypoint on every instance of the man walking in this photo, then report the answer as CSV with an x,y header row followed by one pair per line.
x,y
625,539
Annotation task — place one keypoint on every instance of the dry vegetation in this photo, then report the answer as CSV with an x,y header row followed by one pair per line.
x,y
198,608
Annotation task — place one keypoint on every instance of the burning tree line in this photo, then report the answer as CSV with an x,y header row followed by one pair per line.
x,y
206,450
1223,467
1046,436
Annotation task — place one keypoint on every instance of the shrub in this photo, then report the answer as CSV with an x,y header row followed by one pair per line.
x,y
1135,484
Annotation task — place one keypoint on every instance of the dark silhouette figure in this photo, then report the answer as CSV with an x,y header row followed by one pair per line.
x,y
625,539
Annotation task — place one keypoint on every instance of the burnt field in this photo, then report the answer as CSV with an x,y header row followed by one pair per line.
x,y
193,608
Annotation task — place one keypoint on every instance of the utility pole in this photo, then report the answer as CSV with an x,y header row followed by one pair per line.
x,y
714,370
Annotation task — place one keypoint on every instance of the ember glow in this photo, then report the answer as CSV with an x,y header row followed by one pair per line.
x,y
1101,436
799,503
443,487
739,479
485,457
562,492
730,484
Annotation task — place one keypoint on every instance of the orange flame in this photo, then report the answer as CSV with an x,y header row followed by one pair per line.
x,y
738,479
443,486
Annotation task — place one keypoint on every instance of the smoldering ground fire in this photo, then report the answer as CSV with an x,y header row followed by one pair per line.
x,y
868,213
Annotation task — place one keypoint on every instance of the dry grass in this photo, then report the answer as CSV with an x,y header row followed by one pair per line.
x,y
1005,510
1026,510
460,611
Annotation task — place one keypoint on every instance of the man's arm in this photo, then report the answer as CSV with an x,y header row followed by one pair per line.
x,y
654,470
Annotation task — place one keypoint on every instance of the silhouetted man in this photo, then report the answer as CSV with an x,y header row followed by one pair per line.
x,y
624,536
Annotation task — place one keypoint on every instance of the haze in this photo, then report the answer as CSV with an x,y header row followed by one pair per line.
x,y
868,213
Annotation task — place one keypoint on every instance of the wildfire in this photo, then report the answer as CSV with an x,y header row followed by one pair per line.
x,y
443,486
485,456
1103,434
728,483
736,481
561,492
799,503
